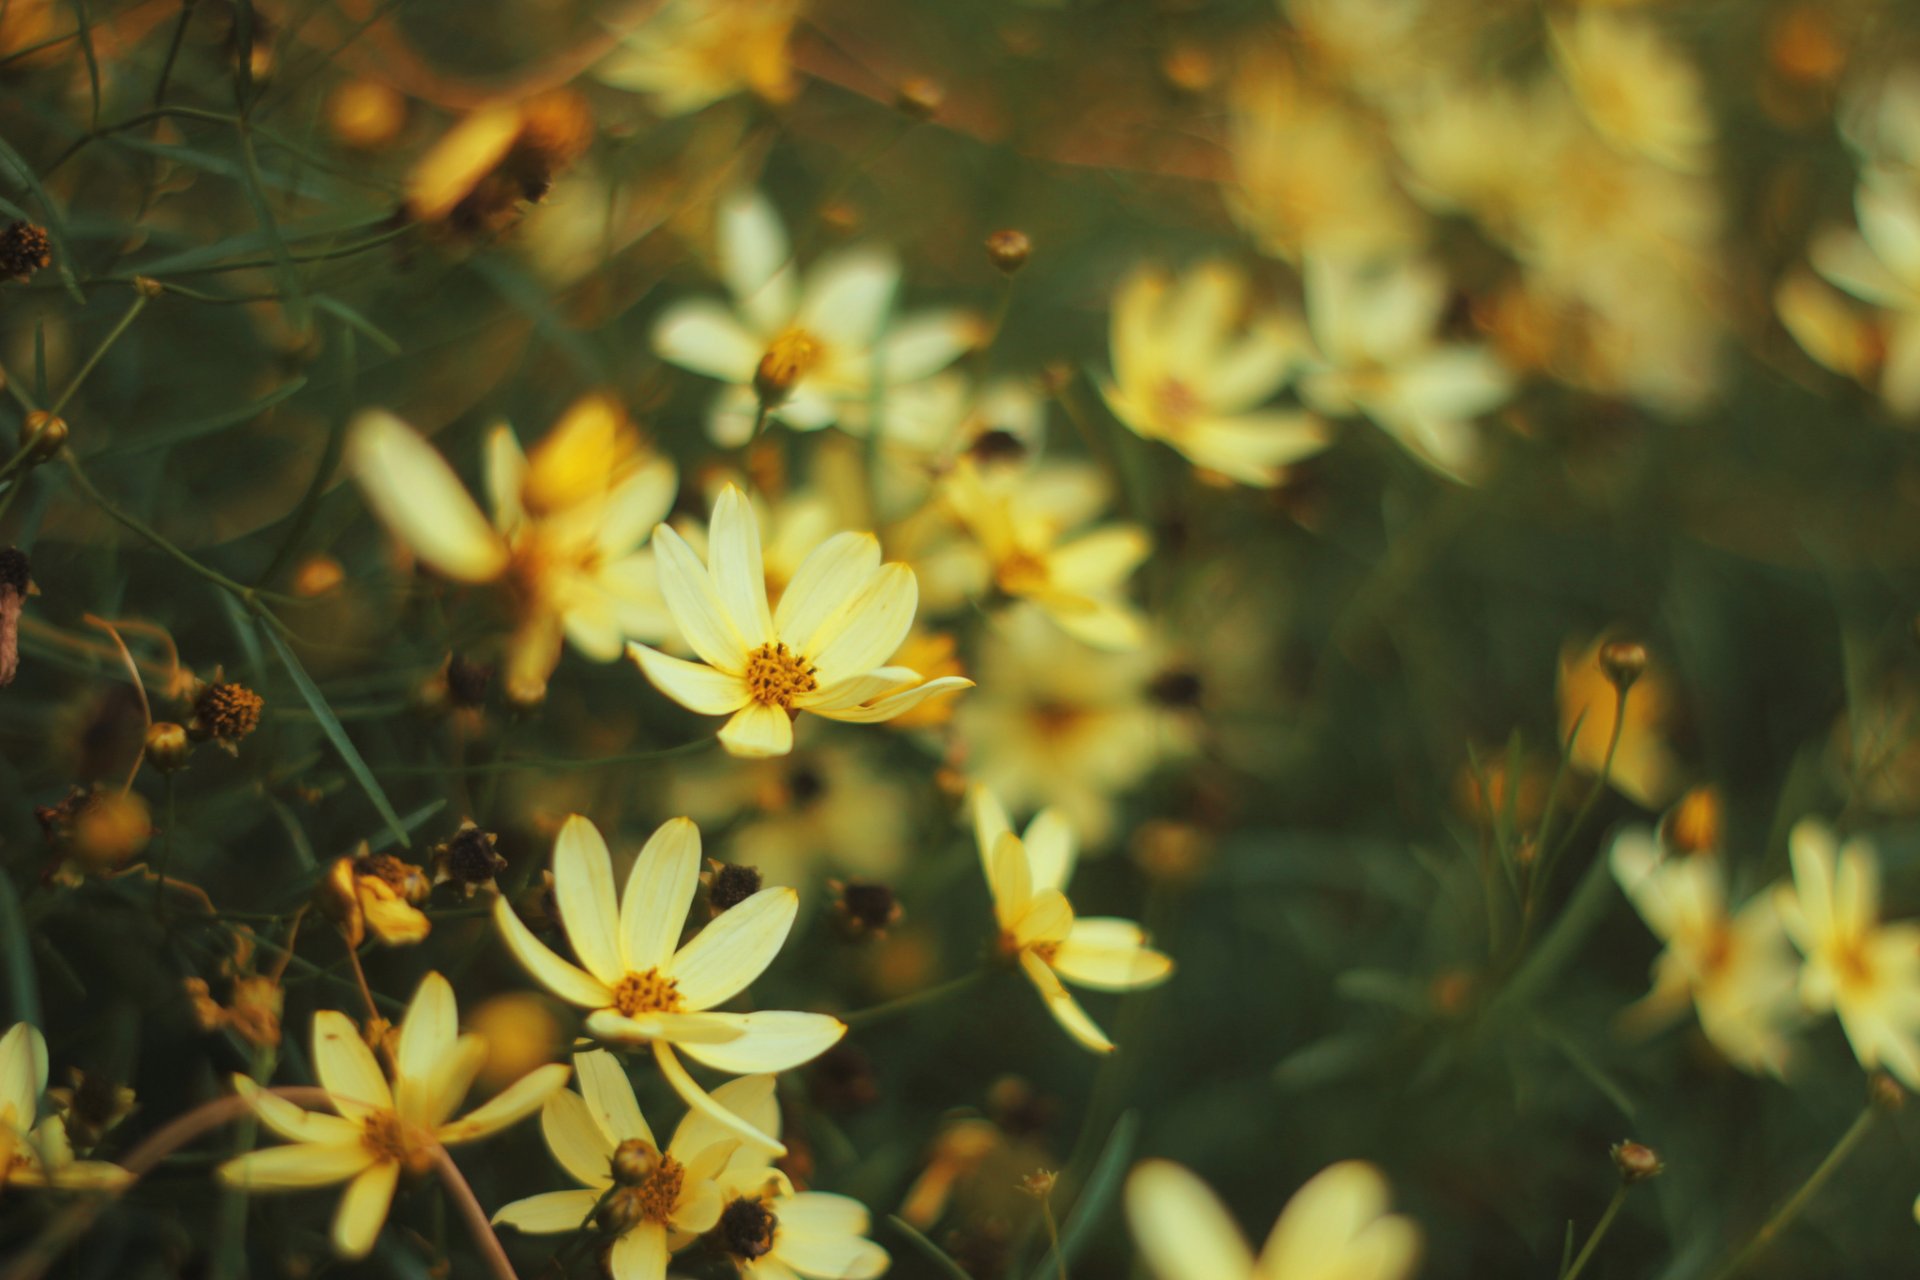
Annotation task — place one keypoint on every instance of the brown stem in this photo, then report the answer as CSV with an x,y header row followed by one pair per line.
x,y
473,1215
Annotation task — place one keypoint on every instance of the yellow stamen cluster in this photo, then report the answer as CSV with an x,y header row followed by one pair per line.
x,y
647,992
1020,572
776,675
1174,402
391,1138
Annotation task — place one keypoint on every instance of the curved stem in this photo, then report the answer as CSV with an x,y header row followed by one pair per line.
x,y
1599,1232
1784,1216
473,1215
932,995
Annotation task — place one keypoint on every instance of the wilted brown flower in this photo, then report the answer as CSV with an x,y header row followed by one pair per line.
x,y
24,249
225,712
470,858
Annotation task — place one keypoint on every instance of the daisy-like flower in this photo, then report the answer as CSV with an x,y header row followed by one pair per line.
x,y
381,1130
568,524
1028,876
801,351
1029,539
1635,88
1373,324
1865,971
823,650
1186,374
653,1201
1735,968
40,1154
689,54
644,988
1336,1227
1880,264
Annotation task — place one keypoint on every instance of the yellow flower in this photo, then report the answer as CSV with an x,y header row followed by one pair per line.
x,y
1866,972
1028,876
1336,1227
652,1201
475,179
1736,969
1186,374
803,352
644,988
381,1130
1880,264
1644,768
40,1154
843,615
568,524
1637,91
1027,536
689,54
369,894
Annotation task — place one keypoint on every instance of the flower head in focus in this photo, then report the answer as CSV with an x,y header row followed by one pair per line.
x,y
38,1153
822,650
568,523
653,1201
1336,1227
382,1130
1866,972
1038,930
1189,372
644,988
801,351
689,54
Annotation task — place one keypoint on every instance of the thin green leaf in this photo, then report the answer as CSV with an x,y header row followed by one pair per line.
x,y
928,1249
337,734
299,314
347,315
23,990
1098,1196
85,34
181,433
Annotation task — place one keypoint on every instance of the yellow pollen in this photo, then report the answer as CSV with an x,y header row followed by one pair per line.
x,y
647,992
391,1138
776,676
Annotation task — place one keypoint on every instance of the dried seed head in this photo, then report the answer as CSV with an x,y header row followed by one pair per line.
x,y
467,681
864,909
168,746
746,1228
24,249
226,712
1636,1162
729,885
470,859
1008,250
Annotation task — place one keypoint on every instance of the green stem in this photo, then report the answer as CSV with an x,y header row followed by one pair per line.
x,y
1053,1235
1599,1233
140,301
1784,1216
932,995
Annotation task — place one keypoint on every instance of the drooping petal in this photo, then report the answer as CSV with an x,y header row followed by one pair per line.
x,y
291,1168
583,887
521,1098
346,1067
506,477
752,1098
813,606
609,1097
549,1213
758,732
1047,919
739,574
895,704
1061,1004
659,890
854,690
770,1041
576,1139
696,606
736,948
573,985
697,1098
1183,1230
613,1027
416,494
705,690
640,1254
363,1210
294,1123
826,1253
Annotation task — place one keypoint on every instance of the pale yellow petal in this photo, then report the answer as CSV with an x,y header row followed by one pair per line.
x,y
757,732
577,1141
609,1097
813,607
694,1096
294,1123
23,1074
1183,1230
583,887
295,1167
874,624
705,690
1061,1004
696,606
770,1041
727,955
888,706
346,1067
752,1098
653,909
573,985
549,1213
445,1087
363,1210
1107,955
640,1254
416,494
1009,879
520,1099
427,1034
739,573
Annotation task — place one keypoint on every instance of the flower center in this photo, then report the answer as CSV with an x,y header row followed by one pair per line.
x,y
391,1138
648,992
789,358
652,1200
1021,573
746,1229
1175,403
776,675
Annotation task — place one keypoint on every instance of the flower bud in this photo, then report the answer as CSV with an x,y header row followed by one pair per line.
x,y
1884,1092
167,746
1623,662
919,97
634,1161
109,829
1636,1162
1008,250
43,435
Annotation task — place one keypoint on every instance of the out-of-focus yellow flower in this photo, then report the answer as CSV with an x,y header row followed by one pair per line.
x,y
823,809
474,181
644,988
1187,373
1336,1227
1866,972
1027,875
1644,768
521,1032
802,352
1880,264
568,524
381,1130
1835,332
840,619
652,1201
366,113
928,427
1308,173
1636,89
689,54
40,1154
1735,968
1035,551
1373,324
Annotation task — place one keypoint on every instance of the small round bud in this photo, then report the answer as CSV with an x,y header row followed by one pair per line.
x,y
863,909
109,829
147,287
1636,1162
24,249
634,1161
317,575
1884,1092
366,113
42,435
1623,662
1009,250
167,746
919,97
1039,1184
